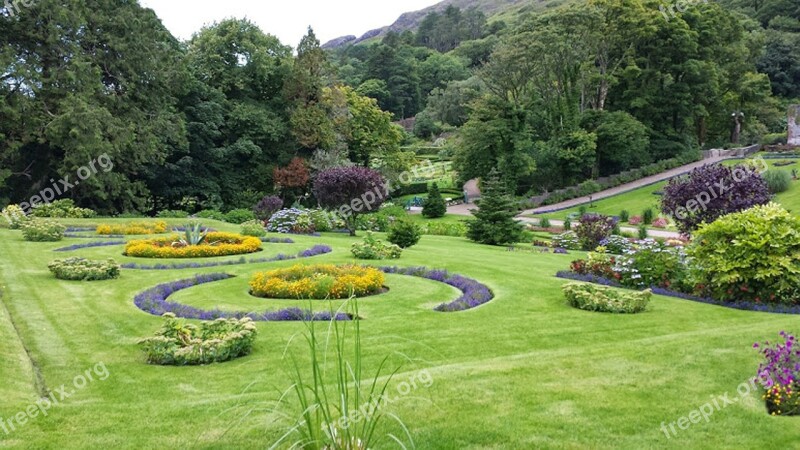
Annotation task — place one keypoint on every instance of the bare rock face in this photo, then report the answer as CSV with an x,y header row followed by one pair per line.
x,y
794,125
339,42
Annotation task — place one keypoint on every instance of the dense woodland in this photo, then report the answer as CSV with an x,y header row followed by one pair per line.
x,y
550,100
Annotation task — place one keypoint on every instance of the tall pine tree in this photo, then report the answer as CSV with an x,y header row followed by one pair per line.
x,y
494,222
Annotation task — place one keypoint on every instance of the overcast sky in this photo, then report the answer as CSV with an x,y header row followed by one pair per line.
x,y
287,20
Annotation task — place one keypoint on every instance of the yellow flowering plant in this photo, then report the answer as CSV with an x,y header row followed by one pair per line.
x,y
320,281
215,244
159,227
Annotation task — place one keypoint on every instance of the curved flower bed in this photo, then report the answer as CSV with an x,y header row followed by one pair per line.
x,y
319,282
217,244
89,245
474,293
313,251
154,301
274,240
771,308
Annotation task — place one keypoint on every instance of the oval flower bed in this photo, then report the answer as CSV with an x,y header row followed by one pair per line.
x,y
216,244
182,344
320,281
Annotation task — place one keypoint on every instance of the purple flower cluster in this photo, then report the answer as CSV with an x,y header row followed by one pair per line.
x,y
313,251
79,229
782,363
473,293
742,305
154,301
274,240
89,245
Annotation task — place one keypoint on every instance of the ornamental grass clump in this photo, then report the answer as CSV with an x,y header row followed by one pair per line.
x,y
179,343
81,269
779,375
320,281
592,297
42,230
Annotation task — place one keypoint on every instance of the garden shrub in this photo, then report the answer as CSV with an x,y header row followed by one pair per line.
x,y
777,180
598,264
13,216
129,228
253,228
64,208
779,375
592,297
567,224
81,269
642,232
179,343
172,214
239,216
212,214
292,220
753,255
775,139
624,215
635,220
405,234
568,240
648,216
325,221
267,206
319,281
616,244
214,244
42,230
434,206
593,228
661,222
650,263
373,248
544,222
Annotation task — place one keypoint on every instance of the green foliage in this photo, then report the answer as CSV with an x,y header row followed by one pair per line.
x,y
568,240
194,234
253,228
593,228
753,255
434,206
42,230
172,214
81,269
239,216
624,216
373,248
648,216
212,214
425,127
544,222
405,234
777,180
591,297
444,229
62,209
641,231
179,343
567,224
775,139
13,216
622,141
495,222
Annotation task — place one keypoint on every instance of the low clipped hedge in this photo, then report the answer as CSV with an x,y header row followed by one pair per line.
x,y
81,269
590,297
320,281
216,244
183,344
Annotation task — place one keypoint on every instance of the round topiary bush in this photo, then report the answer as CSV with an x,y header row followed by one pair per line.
x,y
321,281
81,269
214,244
751,256
405,234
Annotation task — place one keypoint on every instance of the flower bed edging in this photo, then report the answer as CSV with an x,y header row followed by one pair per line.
x,y
89,245
154,301
313,251
473,294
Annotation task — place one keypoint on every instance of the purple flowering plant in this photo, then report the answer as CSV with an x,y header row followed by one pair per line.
x,y
779,374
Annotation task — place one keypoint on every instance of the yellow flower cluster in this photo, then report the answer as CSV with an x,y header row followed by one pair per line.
x,y
783,400
159,227
216,244
320,281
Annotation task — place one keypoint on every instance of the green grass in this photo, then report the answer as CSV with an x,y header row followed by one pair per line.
x,y
523,371
637,200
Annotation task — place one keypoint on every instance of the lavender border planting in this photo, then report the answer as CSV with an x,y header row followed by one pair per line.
x,y
274,240
89,245
313,251
746,306
473,294
154,301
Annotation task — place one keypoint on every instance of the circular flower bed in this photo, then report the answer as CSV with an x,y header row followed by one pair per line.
x,y
321,281
215,244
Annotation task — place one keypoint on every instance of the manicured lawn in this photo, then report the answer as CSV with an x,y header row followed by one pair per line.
x,y
637,200
523,371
